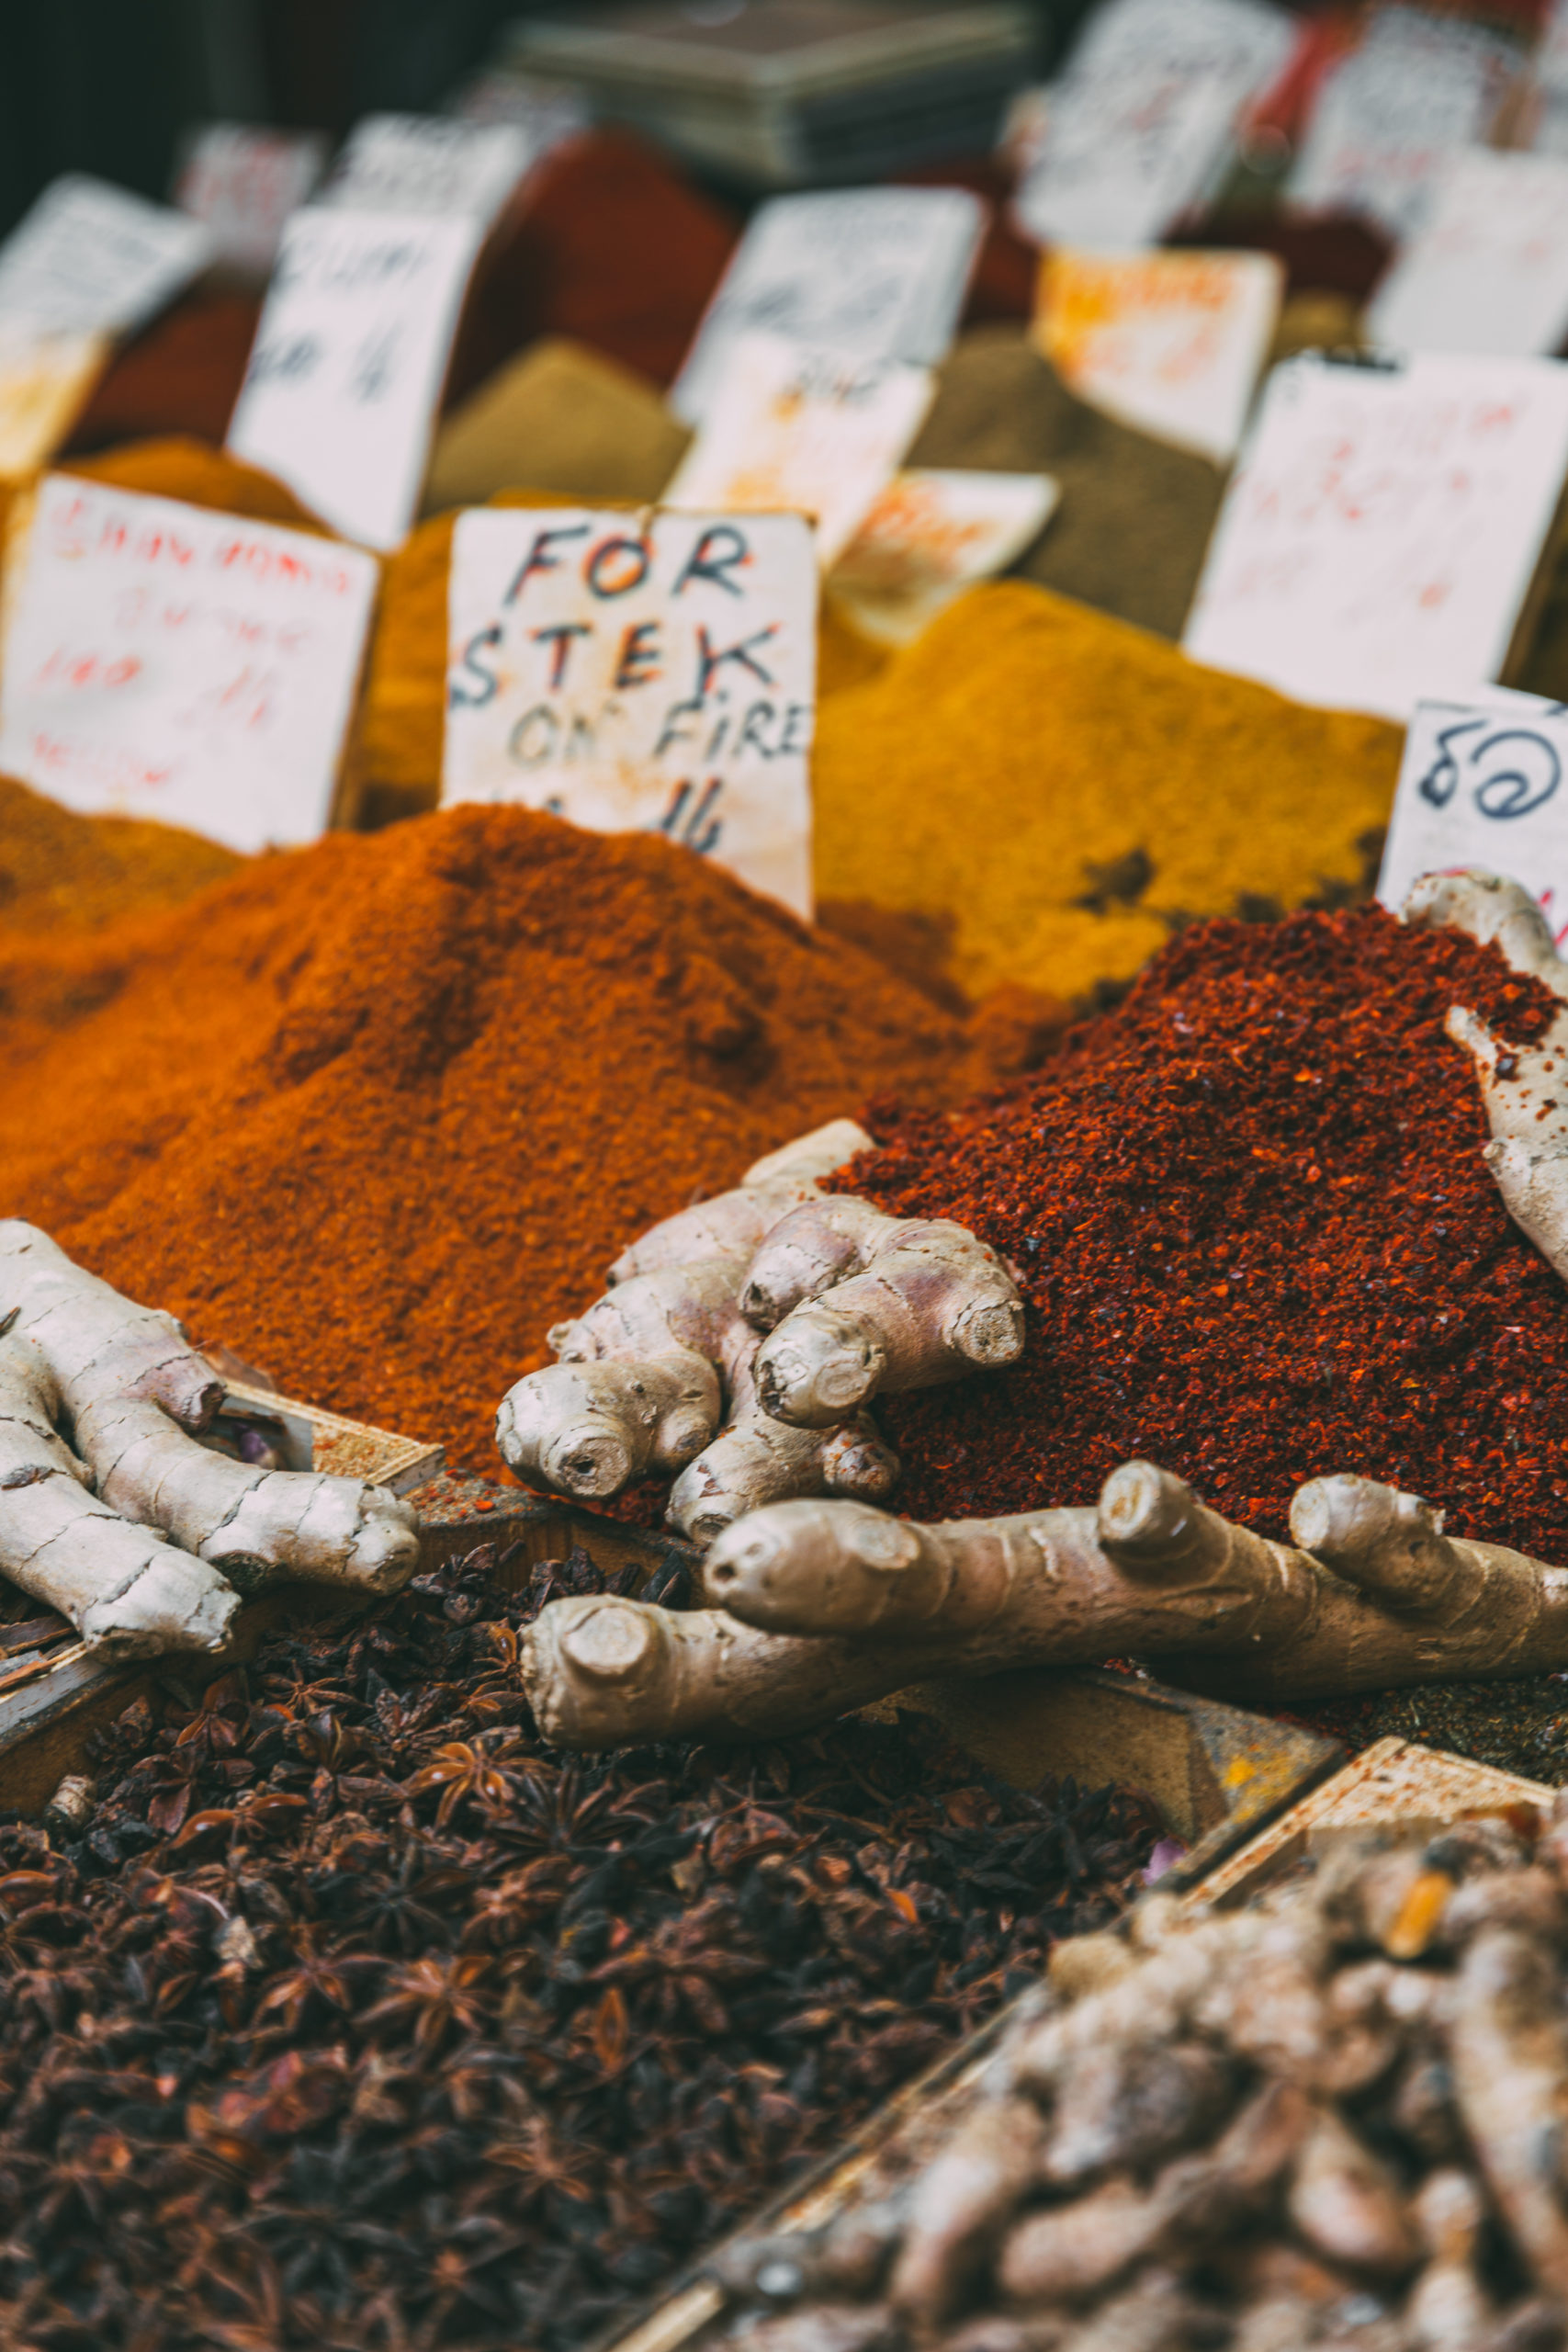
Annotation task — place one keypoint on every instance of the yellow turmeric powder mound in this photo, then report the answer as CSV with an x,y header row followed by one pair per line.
x,y
1039,794
177,467
59,870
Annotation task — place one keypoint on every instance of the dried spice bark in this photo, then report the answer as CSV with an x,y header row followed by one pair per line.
x,y
358,2016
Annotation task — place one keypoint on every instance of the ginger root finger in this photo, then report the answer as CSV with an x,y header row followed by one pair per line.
x,y
1523,1088
755,1460
733,1224
1153,1573
601,1672
1508,2050
128,1388
1063,1587
123,1590
645,1374
929,1303
1495,911
1388,1543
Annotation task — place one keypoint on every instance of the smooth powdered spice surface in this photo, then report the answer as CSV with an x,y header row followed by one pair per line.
x,y
1259,1243
1046,794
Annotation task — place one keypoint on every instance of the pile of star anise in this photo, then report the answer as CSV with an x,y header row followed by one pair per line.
x,y
357,2017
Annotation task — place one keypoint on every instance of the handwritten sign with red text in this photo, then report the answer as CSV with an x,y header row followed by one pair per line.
x,y
1383,527
162,660
640,673
244,182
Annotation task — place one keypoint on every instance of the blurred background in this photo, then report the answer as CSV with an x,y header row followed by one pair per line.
x,y
95,85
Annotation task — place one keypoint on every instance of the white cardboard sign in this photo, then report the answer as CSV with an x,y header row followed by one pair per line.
x,y
1172,343
429,163
162,661
878,273
1489,272
790,425
92,259
649,674
1382,528
243,183
1391,116
349,360
1484,784
929,536
1132,132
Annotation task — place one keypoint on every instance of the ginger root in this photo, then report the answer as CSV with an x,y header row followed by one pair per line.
x,y
816,1606
1523,1088
670,1371
109,1510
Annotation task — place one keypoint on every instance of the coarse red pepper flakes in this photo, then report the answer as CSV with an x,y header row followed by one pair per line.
x,y
1259,1242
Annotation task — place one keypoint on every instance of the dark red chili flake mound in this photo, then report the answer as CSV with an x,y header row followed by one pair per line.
x,y
359,2017
1259,1243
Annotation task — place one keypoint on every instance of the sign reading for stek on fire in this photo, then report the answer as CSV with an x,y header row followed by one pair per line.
x,y
652,672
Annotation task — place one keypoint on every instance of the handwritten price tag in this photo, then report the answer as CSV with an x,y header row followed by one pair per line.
x,y
789,426
1484,784
418,163
1131,133
876,272
349,360
1391,118
92,259
1172,343
1382,528
645,674
243,183
929,534
162,660
1489,272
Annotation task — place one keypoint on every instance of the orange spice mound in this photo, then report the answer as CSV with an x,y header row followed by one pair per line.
x,y
377,1113
57,868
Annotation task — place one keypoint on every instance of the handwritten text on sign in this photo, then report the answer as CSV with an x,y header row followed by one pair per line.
x,y
1484,784
1378,540
92,259
640,673
164,661
349,360
791,426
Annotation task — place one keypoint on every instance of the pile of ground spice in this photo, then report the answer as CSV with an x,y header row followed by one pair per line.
x,y
377,1113
1135,515
58,869
1259,1242
614,247
1041,795
181,375
559,417
358,2017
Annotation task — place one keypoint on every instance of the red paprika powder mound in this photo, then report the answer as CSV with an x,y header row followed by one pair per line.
x,y
1259,1242
377,1113
183,374
614,247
